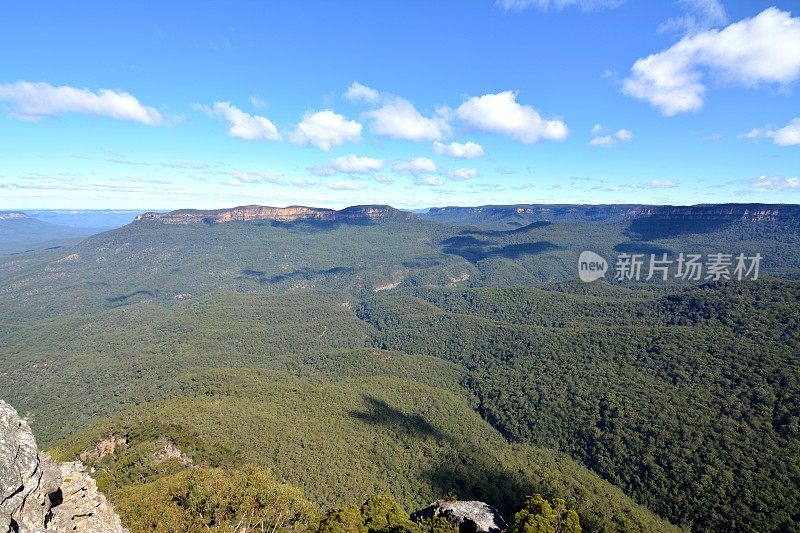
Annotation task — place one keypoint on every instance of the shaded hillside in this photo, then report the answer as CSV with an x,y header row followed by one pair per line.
x,y
287,382
165,262
689,402
344,440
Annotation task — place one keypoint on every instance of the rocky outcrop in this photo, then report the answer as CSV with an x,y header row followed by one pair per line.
x,y
278,214
39,496
468,516
79,506
107,446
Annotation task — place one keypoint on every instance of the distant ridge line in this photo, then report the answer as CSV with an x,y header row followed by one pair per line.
x,y
749,212
279,214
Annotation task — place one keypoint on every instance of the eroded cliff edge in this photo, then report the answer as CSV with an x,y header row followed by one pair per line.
x,y
38,495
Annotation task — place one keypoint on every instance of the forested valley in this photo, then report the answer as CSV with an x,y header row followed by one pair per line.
x,y
326,376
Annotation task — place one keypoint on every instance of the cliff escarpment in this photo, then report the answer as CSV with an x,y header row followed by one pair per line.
x,y
278,214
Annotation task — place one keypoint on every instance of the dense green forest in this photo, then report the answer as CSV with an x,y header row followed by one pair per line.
x,y
339,362
688,401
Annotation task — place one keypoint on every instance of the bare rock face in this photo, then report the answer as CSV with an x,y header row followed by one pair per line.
x,y
278,214
82,507
39,496
469,516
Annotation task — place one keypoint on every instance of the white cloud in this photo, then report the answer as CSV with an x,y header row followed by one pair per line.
x,y
258,103
358,92
661,184
326,129
545,5
500,113
353,164
774,184
243,125
399,119
463,174
345,185
597,128
788,135
415,167
468,150
251,178
700,15
753,134
763,49
622,135
349,164
31,101
432,181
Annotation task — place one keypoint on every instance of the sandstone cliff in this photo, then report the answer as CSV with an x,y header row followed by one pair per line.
x,y
278,214
40,496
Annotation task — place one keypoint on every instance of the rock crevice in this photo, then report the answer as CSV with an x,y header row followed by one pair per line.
x,y
38,495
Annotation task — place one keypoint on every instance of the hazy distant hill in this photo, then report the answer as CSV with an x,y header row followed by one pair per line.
x,y
20,232
501,217
171,256
96,219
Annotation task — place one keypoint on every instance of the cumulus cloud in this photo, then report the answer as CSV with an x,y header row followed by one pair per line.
x,y
243,125
597,128
545,5
415,167
399,119
788,135
32,101
500,113
621,135
431,181
755,51
325,129
774,184
349,164
699,15
353,164
361,93
468,150
463,174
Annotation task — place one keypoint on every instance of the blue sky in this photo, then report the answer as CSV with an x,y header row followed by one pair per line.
x,y
414,104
